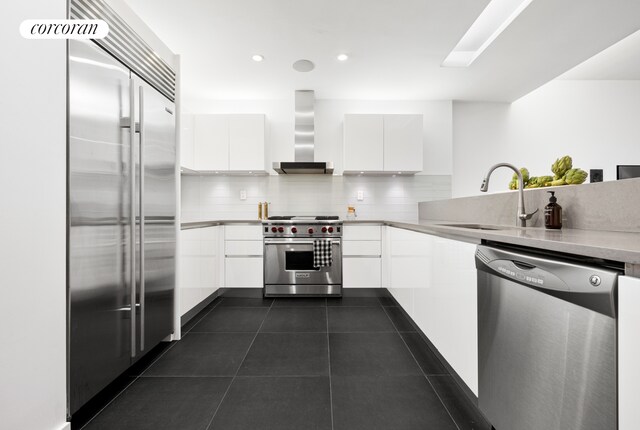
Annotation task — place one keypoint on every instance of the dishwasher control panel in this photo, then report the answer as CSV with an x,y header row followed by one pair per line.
x,y
521,276
534,276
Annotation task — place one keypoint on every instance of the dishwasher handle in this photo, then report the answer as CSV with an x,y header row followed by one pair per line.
x,y
522,265
591,287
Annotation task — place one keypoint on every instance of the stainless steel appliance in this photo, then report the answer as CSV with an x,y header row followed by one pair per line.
x,y
121,205
304,140
288,256
547,342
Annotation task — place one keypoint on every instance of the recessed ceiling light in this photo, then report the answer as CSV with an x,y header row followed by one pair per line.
x,y
342,57
257,58
486,28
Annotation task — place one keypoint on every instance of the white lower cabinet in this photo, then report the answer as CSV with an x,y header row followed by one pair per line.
x,y
199,265
434,280
243,248
243,232
450,301
243,272
362,272
628,352
362,256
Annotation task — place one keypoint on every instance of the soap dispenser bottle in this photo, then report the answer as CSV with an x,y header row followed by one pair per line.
x,y
553,213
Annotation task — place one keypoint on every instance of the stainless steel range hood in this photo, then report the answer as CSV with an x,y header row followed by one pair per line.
x,y
304,144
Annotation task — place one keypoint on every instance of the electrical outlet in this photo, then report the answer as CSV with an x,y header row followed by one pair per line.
x,y
243,194
596,175
360,195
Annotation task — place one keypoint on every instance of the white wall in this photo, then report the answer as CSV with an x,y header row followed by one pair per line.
x,y
596,122
328,122
32,223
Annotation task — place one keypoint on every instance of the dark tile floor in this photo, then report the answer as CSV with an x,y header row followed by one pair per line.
x,y
251,363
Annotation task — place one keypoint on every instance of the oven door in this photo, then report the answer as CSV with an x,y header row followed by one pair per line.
x,y
290,262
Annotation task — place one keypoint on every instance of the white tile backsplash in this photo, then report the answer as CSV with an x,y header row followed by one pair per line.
x,y
218,197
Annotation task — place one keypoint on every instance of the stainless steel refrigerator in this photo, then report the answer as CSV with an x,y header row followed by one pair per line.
x,y
121,218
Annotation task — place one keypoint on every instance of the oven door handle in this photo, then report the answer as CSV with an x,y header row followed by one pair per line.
x,y
282,242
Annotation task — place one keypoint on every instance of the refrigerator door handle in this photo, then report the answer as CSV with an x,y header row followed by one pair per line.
x,y
132,231
142,219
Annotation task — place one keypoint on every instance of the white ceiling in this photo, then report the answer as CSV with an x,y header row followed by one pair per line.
x,y
620,62
395,47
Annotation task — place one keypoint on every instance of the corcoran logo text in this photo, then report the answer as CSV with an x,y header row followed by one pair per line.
x,y
64,29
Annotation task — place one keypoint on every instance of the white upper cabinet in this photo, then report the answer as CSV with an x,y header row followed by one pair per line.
x,y
229,142
363,143
382,143
211,142
246,142
403,143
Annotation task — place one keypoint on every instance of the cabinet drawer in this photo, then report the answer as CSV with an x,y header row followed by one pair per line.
x,y
361,272
243,247
361,247
362,232
243,232
243,272
411,248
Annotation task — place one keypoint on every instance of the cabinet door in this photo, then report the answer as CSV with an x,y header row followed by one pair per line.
x,y
361,272
187,156
434,280
451,306
363,143
199,260
409,254
211,142
628,352
244,272
246,142
403,143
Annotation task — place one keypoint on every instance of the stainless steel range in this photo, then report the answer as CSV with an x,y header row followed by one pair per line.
x,y
289,251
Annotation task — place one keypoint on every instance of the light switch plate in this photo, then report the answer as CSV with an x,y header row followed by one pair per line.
x,y
243,194
360,195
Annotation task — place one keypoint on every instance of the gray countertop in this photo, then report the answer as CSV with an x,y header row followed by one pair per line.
x,y
609,245
203,224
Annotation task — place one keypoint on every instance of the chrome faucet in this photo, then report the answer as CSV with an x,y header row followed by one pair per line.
x,y
523,216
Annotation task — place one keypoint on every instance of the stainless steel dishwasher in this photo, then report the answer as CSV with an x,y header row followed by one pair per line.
x,y
547,348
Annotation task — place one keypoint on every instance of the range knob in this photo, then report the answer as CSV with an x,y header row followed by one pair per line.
x,y
274,229
330,229
310,231
280,229
294,230
324,229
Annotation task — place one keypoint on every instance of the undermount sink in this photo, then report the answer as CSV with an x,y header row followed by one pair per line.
x,y
475,226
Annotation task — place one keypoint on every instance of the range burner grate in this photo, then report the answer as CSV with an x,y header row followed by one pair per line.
x,y
302,218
